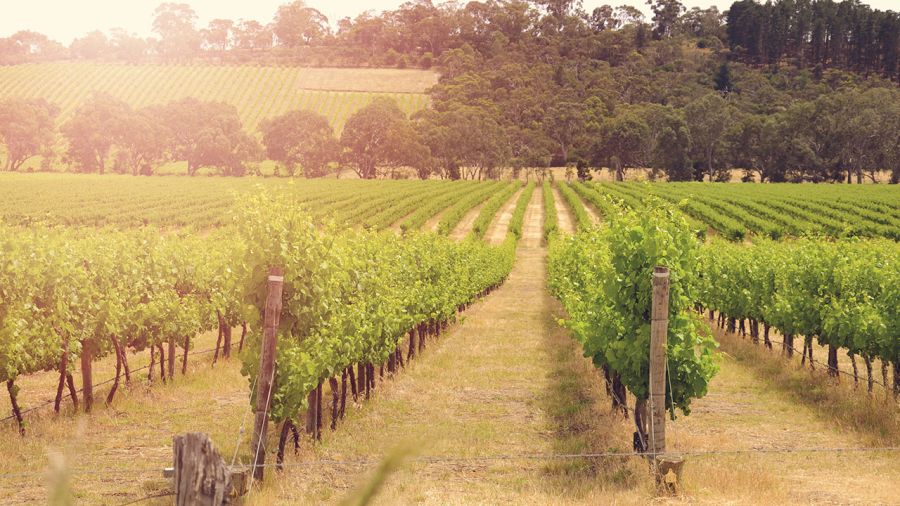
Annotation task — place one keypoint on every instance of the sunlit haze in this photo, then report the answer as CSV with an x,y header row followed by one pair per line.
x,y
64,20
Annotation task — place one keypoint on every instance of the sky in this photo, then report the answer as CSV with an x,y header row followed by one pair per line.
x,y
64,20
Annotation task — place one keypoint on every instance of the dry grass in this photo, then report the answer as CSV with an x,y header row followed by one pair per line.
x,y
117,453
836,402
759,402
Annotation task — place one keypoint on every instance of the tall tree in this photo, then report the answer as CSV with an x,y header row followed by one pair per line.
x,y
141,142
175,23
300,141
27,129
91,132
665,16
620,141
708,119
296,24
380,135
219,35
208,134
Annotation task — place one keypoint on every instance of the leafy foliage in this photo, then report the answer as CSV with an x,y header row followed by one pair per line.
x,y
603,278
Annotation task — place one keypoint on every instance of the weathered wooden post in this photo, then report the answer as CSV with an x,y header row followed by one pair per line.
x,y
659,323
668,467
266,375
200,475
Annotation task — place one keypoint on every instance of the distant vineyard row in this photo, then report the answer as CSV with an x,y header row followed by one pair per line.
x,y
257,92
772,210
171,203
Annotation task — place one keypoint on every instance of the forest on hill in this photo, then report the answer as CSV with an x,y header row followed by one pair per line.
x,y
785,91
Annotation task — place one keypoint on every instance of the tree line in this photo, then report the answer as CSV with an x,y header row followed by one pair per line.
x,y
817,34
545,83
106,135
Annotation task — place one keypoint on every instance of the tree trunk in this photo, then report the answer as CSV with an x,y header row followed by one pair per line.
x,y
243,335
311,413
87,378
171,358
787,347
127,369
17,413
766,340
362,382
869,378
884,376
618,391
70,382
162,363
641,415
855,370
218,338
807,341
319,412
832,361
353,384
412,345
282,442
335,399
63,365
343,392
187,346
226,341
115,386
152,363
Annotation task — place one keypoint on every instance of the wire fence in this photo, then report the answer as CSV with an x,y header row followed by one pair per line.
x,y
46,403
445,459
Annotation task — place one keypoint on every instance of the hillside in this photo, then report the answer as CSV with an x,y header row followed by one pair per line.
x,y
257,92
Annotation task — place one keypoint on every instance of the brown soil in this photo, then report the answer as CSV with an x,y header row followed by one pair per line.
x,y
499,226
465,225
564,221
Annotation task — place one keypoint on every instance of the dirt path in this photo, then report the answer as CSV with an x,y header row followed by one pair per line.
x,y
564,221
533,225
465,225
591,211
499,226
432,224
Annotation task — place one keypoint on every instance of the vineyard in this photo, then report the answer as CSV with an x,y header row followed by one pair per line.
x,y
257,92
421,312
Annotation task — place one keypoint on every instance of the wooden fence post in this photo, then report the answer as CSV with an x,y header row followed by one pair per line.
x,y
266,375
201,476
667,466
659,323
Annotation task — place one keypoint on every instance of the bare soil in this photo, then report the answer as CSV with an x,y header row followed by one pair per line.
x,y
465,225
499,226
564,221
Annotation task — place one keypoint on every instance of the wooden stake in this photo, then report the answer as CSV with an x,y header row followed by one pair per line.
x,y
659,322
201,476
266,375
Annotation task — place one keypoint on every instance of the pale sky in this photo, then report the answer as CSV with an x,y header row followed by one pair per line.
x,y
64,20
